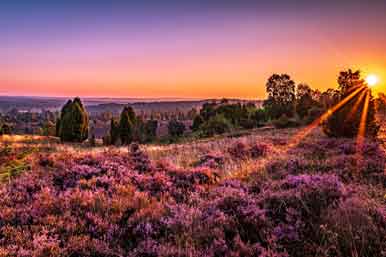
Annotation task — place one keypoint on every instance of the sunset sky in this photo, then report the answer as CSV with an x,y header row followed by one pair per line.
x,y
190,49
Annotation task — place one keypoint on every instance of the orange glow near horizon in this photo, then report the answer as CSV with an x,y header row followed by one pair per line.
x,y
233,60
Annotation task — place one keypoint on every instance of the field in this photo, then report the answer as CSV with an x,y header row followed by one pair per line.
x,y
259,194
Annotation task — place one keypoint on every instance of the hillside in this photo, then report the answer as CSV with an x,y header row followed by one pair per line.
x,y
248,196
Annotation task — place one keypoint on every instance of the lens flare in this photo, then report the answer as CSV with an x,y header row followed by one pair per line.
x,y
372,80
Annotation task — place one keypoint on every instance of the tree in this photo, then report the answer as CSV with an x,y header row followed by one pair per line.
x,y
176,128
281,96
73,123
126,125
151,130
381,103
349,81
345,121
5,129
208,110
197,122
304,100
114,131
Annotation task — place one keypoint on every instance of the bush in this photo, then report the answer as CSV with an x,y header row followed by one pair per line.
x,y
285,122
216,125
197,122
356,228
5,129
176,128
314,113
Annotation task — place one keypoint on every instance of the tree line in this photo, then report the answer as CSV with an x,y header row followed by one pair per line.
x,y
287,105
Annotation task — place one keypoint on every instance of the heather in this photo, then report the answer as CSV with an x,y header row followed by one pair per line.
x,y
246,196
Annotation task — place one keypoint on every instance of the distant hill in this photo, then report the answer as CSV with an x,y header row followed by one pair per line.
x,y
97,105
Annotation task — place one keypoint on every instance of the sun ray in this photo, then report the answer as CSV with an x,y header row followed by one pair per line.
x,y
356,106
362,124
298,137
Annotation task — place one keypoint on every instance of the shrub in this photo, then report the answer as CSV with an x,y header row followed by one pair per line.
x,y
216,125
356,228
197,122
313,113
5,129
176,128
285,122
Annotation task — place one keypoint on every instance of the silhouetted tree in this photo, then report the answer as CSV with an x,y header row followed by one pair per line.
x,y
348,81
329,98
176,128
208,110
304,100
126,125
346,120
114,131
5,129
197,122
151,130
281,96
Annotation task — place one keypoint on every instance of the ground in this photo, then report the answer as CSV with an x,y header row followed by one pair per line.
x,y
264,192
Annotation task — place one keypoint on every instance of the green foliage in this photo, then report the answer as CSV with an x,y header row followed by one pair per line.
x,y
126,125
229,115
281,96
345,122
73,123
176,128
216,125
114,132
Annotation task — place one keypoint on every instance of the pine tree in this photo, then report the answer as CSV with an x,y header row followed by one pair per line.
x,y
126,125
114,131
72,126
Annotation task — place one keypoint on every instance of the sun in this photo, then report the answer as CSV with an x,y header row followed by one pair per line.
x,y
372,80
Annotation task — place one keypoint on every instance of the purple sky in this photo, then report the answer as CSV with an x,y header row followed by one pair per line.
x,y
183,48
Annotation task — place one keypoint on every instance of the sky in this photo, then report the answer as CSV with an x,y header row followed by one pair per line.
x,y
185,49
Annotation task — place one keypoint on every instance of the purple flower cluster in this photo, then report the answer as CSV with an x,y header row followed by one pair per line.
x,y
113,204
241,150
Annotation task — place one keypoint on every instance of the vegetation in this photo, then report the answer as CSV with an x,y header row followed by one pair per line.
x,y
281,96
126,125
250,196
345,122
72,125
176,128
5,129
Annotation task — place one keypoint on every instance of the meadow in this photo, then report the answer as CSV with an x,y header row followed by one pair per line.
x,y
255,194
